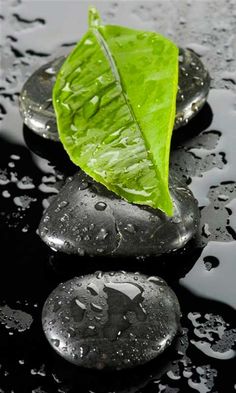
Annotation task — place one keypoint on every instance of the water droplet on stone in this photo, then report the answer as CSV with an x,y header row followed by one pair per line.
x,y
93,289
55,342
80,251
100,206
77,309
60,206
99,274
83,185
96,308
102,234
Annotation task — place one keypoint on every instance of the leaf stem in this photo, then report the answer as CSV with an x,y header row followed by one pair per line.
x,y
94,19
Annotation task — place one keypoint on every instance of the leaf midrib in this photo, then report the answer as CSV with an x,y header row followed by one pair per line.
x,y
118,79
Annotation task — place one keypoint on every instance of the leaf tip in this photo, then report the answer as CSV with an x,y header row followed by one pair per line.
x,y
93,17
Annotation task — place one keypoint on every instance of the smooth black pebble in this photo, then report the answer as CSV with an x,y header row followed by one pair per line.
x,y
111,320
36,96
86,218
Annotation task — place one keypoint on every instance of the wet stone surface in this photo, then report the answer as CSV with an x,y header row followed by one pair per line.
x,y
114,319
36,96
86,218
36,100
194,86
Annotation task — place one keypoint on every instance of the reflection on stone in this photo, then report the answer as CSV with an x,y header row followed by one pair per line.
x,y
36,100
86,218
127,320
36,96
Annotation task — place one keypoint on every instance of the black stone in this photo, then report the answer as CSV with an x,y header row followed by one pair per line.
x,y
36,96
86,218
111,320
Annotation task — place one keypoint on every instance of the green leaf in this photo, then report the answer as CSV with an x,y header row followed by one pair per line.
x,y
115,99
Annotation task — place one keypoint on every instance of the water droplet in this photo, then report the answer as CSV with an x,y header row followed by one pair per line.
x,y
102,234
83,185
100,206
99,274
81,252
60,206
130,228
91,107
55,342
92,287
96,308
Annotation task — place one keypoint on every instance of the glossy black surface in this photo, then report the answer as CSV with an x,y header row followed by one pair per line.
x,y
114,320
203,153
87,219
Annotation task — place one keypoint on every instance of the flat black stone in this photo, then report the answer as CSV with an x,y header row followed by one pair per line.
x,y
86,218
111,320
36,96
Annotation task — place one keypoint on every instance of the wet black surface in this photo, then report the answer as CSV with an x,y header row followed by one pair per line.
x,y
203,153
114,320
87,219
